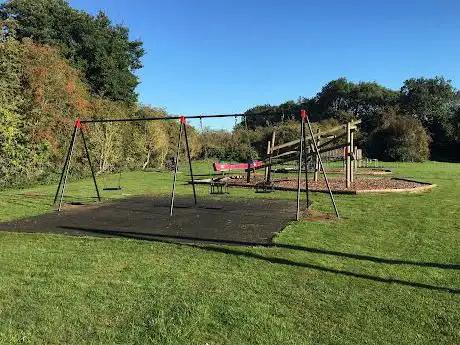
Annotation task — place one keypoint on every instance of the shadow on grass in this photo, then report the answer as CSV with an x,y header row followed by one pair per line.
x,y
185,240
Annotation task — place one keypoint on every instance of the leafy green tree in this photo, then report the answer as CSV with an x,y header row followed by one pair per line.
x,y
154,137
15,152
433,101
101,50
266,114
342,100
398,138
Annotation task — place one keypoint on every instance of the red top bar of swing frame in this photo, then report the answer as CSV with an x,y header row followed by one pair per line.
x,y
303,114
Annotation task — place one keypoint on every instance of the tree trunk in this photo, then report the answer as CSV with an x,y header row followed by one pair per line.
x,y
147,161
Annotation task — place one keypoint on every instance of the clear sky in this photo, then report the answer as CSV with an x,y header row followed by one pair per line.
x,y
222,56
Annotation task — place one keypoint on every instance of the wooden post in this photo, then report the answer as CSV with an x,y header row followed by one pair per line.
x,y
356,158
267,174
360,158
352,161
272,151
248,175
347,158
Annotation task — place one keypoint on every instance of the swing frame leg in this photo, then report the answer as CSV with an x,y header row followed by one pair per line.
x,y
66,161
88,157
304,115
66,169
173,194
190,163
299,172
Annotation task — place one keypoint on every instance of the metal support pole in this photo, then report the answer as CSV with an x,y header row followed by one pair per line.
x,y
315,178
189,162
307,192
299,173
175,171
68,166
72,140
91,165
322,168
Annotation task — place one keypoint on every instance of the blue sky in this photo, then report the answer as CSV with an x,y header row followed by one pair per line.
x,y
221,56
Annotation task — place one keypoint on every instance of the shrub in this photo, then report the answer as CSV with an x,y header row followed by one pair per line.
x,y
399,138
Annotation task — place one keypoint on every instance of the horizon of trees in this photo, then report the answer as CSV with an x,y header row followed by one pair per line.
x,y
424,109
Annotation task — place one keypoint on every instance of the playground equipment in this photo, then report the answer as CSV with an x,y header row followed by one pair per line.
x,y
303,155
225,166
338,143
118,187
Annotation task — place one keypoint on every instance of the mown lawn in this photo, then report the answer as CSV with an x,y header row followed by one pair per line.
x,y
387,273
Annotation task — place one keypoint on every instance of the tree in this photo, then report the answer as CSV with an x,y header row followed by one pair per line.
x,y
398,138
266,114
56,94
106,139
343,100
101,50
433,101
155,140
18,159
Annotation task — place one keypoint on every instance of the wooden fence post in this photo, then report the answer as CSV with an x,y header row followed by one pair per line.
x,y
350,153
348,158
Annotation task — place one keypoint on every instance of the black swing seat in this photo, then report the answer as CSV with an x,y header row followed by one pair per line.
x,y
112,188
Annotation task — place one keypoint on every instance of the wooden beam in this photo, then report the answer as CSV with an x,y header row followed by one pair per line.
x,y
284,154
335,138
350,125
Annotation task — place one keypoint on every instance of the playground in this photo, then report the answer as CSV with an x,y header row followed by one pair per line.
x,y
261,246
244,221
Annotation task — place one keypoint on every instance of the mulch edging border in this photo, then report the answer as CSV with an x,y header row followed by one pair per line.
x,y
425,186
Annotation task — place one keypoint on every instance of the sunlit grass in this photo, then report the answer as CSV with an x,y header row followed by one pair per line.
x,y
387,273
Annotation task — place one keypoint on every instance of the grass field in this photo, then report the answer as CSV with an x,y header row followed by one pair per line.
x,y
387,273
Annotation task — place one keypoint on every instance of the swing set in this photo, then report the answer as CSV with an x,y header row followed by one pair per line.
x,y
79,130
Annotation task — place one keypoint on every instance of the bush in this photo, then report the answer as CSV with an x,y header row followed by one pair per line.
x,y
399,138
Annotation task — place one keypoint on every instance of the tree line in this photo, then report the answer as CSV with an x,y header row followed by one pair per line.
x,y
58,63
418,122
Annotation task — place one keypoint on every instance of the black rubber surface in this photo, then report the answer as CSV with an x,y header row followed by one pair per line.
x,y
240,222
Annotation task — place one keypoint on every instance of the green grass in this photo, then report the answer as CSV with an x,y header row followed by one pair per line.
x,y
384,274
